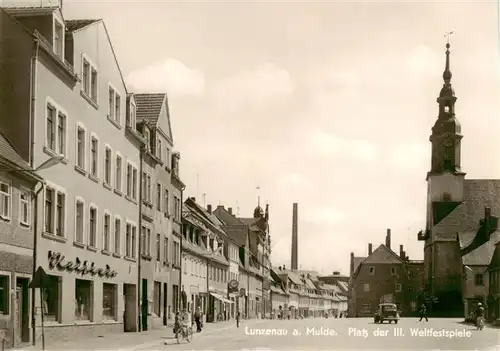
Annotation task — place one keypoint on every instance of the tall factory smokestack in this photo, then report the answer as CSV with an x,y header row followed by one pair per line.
x,y
295,237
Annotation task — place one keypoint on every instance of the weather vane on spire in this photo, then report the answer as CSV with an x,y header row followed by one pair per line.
x,y
447,35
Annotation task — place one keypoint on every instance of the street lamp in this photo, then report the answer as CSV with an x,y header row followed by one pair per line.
x,y
51,162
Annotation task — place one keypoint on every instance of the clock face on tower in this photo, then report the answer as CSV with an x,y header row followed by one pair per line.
x,y
448,142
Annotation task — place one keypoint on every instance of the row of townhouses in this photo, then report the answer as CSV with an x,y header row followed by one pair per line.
x,y
302,294
91,194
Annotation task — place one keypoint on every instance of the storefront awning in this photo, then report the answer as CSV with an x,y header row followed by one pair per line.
x,y
221,298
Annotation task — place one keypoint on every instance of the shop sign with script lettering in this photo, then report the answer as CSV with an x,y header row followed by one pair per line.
x,y
58,260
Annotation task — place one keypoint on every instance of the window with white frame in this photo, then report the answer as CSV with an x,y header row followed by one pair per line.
x,y
143,186
371,270
24,207
89,79
6,200
93,226
134,241
58,39
128,240
168,157
108,154
79,220
118,107
366,287
55,206
134,183
148,187
61,133
106,231
131,117
129,180
81,136
165,250
147,136
393,270
111,103
158,147
117,236
158,197
118,173
166,202
94,156
145,241
50,139
398,287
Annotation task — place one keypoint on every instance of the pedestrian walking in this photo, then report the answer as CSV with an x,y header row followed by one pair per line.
x,y
423,313
480,316
238,316
197,319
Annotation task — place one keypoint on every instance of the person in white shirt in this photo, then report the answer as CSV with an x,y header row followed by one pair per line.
x,y
186,319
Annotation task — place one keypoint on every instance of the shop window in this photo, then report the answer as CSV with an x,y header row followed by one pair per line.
x,y
157,298
109,301
83,299
4,294
51,299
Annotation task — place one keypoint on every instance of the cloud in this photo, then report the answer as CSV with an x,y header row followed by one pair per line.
x,y
324,215
330,145
257,87
295,180
171,76
410,156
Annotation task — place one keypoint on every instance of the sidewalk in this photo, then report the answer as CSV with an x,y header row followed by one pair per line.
x,y
132,341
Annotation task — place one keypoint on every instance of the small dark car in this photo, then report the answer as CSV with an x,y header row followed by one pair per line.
x,y
387,312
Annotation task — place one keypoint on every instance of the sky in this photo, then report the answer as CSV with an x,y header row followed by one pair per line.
x,y
327,104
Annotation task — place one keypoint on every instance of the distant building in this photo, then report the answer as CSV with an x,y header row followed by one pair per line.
x,y
384,276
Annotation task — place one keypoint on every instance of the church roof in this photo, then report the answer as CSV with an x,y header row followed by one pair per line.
x,y
482,256
495,259
478,195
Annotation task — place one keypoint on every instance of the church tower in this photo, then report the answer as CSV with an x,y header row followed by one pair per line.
x,y
445,180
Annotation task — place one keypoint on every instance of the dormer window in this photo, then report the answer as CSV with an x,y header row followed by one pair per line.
x,y
58,44
147,136
131,118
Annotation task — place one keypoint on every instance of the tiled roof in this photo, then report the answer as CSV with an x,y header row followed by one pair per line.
x,y
30,10
478,194
149,107
381,255
357,261
495,259
343,285
483,254
465,238
8,153
294,277
330,287
73,25
237,233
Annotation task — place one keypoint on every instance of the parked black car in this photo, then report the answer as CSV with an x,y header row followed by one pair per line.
x,y
386,312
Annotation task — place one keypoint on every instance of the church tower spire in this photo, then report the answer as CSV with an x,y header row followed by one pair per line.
x,y
446,133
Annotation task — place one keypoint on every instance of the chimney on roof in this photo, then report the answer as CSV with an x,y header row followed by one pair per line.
x,y
388,239
284,267
351,268
401,252
193,198
209,208
279,268
370,249
230,210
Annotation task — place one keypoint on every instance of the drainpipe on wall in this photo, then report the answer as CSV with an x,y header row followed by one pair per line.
x,y
139,236
33,85
180,248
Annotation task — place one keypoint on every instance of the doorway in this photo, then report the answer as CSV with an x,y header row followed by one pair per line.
x,y
144,305
130,308
22,311
165,312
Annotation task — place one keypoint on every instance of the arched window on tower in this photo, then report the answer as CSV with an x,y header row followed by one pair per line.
x,y
446,108
448,165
